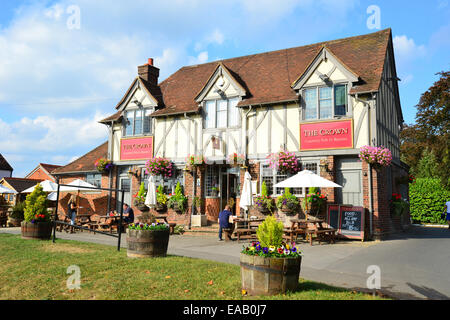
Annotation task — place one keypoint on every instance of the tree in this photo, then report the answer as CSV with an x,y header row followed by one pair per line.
x,y
431,131
427,166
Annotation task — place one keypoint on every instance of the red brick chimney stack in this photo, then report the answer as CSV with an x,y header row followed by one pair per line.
x,y
149,73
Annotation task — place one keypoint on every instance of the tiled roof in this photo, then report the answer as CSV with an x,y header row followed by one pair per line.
x,y
267,77
4,165
86,162
49,167
20,184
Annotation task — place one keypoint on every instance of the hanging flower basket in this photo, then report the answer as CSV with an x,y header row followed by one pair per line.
x,y
236,160
377,157
103,165
159,167
284,162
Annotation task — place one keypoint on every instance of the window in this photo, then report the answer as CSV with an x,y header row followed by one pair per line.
x,y
272,177
95,179
325,102
169,184
222,113
211,181
137,122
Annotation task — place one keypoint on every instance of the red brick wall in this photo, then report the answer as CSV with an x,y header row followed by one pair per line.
x,y
41,174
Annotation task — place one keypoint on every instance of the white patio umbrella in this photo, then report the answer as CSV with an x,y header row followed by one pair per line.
x,y
4,189
47,186
52,196
307,179
246,200
150,199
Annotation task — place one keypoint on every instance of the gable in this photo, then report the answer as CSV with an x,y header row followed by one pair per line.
x,y
325,68
221,84
137,96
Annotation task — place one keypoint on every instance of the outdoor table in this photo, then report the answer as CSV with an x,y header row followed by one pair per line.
x,y
248,230
321,232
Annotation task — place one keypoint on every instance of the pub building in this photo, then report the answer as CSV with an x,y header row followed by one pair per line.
x,y
322,102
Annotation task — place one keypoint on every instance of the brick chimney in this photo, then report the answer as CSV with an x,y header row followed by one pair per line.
x,y
149,73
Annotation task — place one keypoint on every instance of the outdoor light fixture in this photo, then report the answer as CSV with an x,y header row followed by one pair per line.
x,y
135,173
324,77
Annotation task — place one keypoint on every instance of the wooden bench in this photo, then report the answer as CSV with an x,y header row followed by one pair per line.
x,y
245,234
227,233
327,234
292,234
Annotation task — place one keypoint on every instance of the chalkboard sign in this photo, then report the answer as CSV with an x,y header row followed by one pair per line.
x,y
348,220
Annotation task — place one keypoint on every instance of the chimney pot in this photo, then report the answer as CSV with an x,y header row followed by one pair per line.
x,y
150,61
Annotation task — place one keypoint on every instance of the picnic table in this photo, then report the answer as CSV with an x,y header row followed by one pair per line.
x,y
309,227
246,228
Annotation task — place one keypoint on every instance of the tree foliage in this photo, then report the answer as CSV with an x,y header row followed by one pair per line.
x,y
430,136
36,204
270,232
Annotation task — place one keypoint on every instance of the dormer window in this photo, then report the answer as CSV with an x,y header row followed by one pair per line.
x,y
325,102
137,122
221,113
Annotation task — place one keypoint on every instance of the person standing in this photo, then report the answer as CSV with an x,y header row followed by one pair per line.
x,y
72,209
224,221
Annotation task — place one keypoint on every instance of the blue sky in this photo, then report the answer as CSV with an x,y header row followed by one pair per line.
x,y
57,81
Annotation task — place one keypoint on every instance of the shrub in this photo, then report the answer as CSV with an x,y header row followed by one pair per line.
x,y
18,211
270,232
161,197
264,201
178,199
36,206
427,200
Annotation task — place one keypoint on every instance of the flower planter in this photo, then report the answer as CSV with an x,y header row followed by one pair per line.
x,y
269,276
147,243
13,222
288,210
264,210
141,206
161,207
37,230
177,209
199,220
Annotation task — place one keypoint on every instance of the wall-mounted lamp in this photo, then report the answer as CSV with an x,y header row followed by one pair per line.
x,y
136,173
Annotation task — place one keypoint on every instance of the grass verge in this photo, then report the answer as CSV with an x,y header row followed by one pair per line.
x,y
32,269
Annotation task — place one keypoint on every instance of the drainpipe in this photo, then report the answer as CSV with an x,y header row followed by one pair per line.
x,y
367,104
194,174
110,147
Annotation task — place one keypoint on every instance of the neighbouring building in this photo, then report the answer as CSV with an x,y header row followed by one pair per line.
x,y
18,185
43,171
322,101
5,168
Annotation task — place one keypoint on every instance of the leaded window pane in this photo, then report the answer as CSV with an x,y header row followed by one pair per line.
x,y
310,104
325,102
340,100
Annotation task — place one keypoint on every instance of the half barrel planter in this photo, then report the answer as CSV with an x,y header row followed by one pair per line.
x,y
269,276
37,230
147,243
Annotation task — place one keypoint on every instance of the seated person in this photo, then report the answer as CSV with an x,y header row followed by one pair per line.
x,y
128,214
224,220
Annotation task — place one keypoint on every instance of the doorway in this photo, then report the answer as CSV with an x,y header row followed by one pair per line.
x,y
229,186
349,176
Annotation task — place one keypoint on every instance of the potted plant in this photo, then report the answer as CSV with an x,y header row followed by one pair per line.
x,y
193,161
270,266
288,203
103,165
235,160
378,157
178,201
139,198
159,167
314,201
161,199
398,205
147,240
264,202
214,191
17,214
198,219
284,161
37,223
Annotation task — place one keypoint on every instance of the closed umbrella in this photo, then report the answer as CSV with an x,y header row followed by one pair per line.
x,y
150,199
307,179
47,186
246,200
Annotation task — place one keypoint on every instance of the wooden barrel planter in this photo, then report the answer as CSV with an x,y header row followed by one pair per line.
x,y
37,230
147,243
13,222
269,276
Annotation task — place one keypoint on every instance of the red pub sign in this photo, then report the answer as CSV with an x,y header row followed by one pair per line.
x,y
326,135
136,148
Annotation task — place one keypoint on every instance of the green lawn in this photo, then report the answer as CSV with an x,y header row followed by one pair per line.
x,y
32,269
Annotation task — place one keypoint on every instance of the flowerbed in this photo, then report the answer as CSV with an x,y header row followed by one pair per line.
x,y
145,226
283,251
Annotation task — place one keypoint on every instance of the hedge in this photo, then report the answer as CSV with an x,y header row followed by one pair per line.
x,y
427,200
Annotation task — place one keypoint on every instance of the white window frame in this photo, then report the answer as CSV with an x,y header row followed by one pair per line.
x,y
333,103
94,179
229,108
142,134
169,184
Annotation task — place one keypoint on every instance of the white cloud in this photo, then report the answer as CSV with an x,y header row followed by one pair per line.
x,y
406,49
201,58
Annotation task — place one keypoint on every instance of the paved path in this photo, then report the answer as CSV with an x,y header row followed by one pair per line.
x,y
413,264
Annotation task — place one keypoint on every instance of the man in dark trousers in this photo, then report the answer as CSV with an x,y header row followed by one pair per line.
x,y
224,221
128,214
